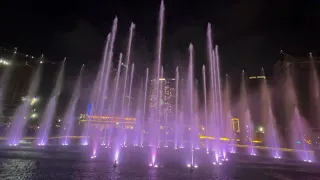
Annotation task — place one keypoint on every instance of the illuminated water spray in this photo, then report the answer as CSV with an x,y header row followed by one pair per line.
x,y
19,119
96,93
177,122
129,101
49,111
68,119
144,106
127,65
205,105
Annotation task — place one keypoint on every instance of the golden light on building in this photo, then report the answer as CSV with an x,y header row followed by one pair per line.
x,y
235,124
257,77
112,118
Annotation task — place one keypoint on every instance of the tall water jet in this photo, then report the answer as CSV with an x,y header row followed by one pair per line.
x,y
68,118
190,87
272,136
101,73
49,112
96,93
144,106
274,141
219,97
210,56
249,130
160,109
214,99
314,91
298,126
205,104
115,99
227,114
155,113
106,77
247,135
129,101
127,64
100,108
299,137
19,121
139,114
130,89
176,110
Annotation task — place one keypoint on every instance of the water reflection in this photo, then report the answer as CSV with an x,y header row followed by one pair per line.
x,y
14,169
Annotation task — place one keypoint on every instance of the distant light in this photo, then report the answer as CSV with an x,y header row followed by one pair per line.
x,y
34,100
257,77
4,62
261,129
34,115
41,62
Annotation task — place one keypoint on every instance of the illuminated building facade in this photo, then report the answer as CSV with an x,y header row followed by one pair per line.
x,y
102,122
167,98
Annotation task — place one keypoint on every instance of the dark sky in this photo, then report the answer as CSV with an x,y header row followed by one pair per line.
x,y
250,33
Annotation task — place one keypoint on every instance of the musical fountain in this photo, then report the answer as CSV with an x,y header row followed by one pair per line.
x,y
187,127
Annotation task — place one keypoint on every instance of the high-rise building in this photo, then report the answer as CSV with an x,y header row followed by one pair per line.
x,y
166,101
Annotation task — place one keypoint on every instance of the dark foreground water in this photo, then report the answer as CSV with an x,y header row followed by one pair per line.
x,y
21,165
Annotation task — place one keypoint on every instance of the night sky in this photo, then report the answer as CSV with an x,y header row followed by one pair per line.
x,y
250,34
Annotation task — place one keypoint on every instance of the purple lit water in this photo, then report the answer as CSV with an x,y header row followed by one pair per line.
x,y
49,111
19,121
68,118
